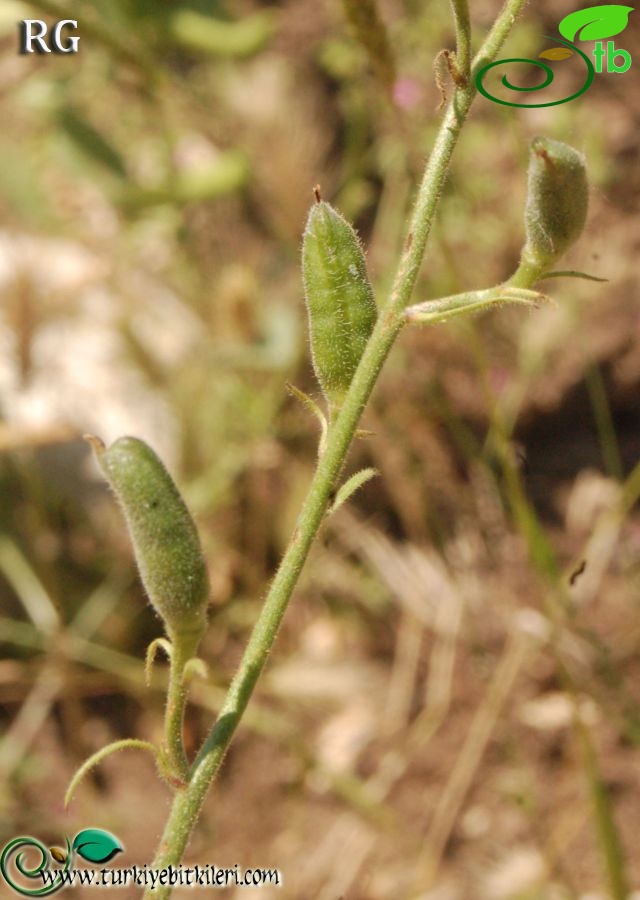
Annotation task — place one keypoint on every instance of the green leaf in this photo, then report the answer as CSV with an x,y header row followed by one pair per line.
x,y
96,845
351,486
596,22
571,273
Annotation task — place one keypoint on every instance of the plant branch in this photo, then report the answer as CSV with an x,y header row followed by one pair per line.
x,y
445,308
176,702
188,800
463,38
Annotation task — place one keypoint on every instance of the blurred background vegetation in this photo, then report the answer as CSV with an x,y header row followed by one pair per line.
x,y
452,707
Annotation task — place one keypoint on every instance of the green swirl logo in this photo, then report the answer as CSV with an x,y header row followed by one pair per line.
x,y
17,848
594,23
92,844
538,87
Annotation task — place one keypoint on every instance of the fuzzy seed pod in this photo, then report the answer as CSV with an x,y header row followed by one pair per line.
x,y
557,199
164,537
340,304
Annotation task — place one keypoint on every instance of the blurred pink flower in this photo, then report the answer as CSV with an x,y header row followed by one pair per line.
x,y
407,93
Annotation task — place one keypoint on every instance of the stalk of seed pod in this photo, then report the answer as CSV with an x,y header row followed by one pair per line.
x,y
557,200
339,299
165,541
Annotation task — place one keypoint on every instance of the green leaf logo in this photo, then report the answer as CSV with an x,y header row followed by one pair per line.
x,y
595,23
96,845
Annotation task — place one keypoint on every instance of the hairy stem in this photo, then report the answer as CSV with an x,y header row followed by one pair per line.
x,y
527,273
463,37
188,800
445,308
181,653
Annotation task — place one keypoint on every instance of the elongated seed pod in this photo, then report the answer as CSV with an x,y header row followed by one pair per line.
x,y
340,304
557,200
164,536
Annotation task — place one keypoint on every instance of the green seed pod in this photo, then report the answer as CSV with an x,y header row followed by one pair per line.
x,y
340,304
557,199
164,537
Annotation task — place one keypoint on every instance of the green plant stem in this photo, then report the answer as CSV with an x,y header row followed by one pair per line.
x,y
527,273
445,308
609,447
188,800
607,832
463,37
181,653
